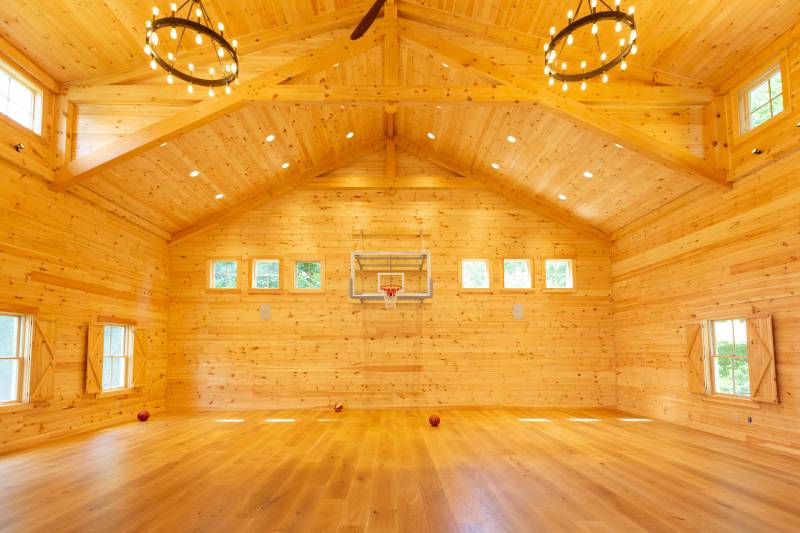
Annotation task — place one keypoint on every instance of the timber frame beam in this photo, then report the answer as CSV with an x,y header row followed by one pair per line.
x,y
203,112
573,111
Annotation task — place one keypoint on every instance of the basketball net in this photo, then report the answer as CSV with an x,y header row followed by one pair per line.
x,y
390,293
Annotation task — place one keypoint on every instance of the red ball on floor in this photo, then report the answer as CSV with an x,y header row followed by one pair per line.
x,y
338,407
434,420
143,415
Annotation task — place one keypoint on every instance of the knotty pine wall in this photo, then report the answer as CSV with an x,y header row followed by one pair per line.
x,y
709,255
96,264
457,348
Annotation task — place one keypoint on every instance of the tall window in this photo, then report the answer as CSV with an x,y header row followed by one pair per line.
x,y
517,274
558,274
475,274
20,100
763,100
224,274
308,275
15,347
730,365
266,274
117,356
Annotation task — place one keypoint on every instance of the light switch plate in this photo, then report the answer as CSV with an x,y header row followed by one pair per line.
x,y
519,312
266,312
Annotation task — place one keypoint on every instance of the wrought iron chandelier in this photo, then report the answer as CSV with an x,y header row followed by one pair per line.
x,y
557,66
167,38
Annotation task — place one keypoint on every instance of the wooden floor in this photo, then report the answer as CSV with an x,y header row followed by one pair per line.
x,y
481,470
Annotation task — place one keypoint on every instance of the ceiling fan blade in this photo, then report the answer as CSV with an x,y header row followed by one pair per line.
x,y
367,21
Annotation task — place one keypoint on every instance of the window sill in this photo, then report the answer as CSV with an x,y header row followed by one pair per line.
x,y
264,291
733,402
573,289
223,291
115,393
14,407
476,291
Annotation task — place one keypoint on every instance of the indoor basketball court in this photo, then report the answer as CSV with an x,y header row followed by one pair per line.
x,y
399,266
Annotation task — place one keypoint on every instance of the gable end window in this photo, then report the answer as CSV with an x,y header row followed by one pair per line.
x,y
20,100
762,100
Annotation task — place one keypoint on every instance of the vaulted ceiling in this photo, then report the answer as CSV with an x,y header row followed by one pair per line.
x,y
469,72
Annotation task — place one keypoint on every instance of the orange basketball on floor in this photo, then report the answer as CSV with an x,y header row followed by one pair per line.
x,y
143,415
338,407
434,420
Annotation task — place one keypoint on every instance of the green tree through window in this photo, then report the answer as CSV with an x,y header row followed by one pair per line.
x,y
308,275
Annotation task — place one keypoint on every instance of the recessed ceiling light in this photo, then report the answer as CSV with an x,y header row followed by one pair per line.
x,y
511,139
335,65
350,135
757,151
431,136
163,144
496,166
219,196
618,146
194,173
285,165
588,175
269,138
445,65
562,197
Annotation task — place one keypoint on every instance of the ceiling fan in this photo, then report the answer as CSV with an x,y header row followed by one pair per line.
x,y
367,21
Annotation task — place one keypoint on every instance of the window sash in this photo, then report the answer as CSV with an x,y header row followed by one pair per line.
x,y
13,89
271,280
126,357
229,274
304,276
751,115
713,373
561,275
473,272
21,356
523,272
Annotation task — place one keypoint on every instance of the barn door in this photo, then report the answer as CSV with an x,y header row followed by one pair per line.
x,y
94,360
43,359
140,352
761,351
695,354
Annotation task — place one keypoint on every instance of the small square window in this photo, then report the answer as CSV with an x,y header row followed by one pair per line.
x,y
517,274
117,356
266,274
762,100
475,274
730,369
308,275
224,274
558,274
19,100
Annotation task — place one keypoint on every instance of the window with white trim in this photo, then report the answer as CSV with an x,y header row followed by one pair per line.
x,y
762,100
20,100
730,364
117,356
224,274
15,354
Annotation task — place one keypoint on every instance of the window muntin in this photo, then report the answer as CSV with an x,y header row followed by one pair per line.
x,y
224,274
558,274
517,274
117,356
730,364
266,274
20,100
15,347
475,274
763,100
308,275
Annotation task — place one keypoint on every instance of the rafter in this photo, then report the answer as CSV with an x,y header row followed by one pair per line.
x,y
248,44
524,42
574,111
515,195
208,110
255,201
600,95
